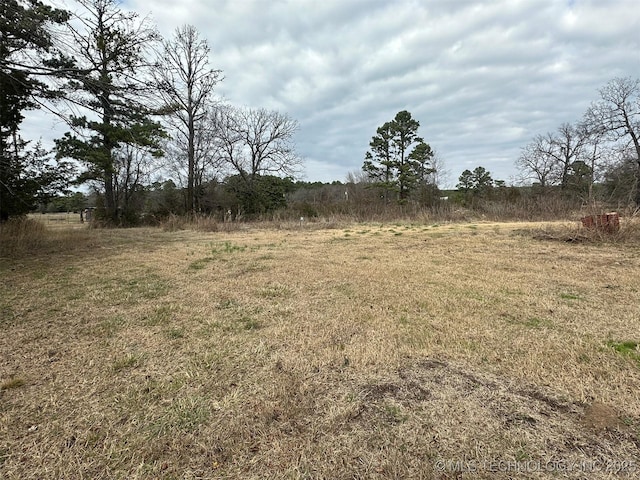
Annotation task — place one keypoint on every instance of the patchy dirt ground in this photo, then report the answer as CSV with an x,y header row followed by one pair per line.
x,y
467,417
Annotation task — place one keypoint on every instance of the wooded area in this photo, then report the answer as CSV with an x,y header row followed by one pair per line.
x,y
149,137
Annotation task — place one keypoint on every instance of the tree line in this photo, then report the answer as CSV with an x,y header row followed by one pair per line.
x,y
600,150
148,133
595,160
129,98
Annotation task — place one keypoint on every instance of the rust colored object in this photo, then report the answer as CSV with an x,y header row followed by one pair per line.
x,y
607,222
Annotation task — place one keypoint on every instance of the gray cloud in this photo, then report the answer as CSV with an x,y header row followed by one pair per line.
x,y
482,77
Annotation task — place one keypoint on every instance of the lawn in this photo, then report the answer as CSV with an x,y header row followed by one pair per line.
x,y
361,352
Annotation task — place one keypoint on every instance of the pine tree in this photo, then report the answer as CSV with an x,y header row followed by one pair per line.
x,y
399,160
27,57
109,85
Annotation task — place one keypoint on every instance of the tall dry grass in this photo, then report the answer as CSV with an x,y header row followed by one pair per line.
x,y
25,236
199,223
21,235
574,232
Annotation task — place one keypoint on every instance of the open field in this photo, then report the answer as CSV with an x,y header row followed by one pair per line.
x,y
64,220
363,352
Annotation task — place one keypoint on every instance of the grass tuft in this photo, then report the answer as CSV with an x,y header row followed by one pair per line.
x,y
12,383
184,415
275,291
201,263
250,323
129,361
570,296
175,333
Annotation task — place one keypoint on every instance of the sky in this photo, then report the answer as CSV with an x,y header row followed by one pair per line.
x,y
482,77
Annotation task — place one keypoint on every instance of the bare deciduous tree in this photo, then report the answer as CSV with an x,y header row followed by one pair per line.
x,y
567,148
258,150
535,164
268,139
133,167
617,116
258,142
548,159
186,86
207,161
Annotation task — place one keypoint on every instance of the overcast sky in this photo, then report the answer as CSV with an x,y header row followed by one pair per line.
x,y
481,77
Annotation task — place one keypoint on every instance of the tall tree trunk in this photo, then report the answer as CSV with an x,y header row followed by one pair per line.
x,y
191,177
109,197
637,184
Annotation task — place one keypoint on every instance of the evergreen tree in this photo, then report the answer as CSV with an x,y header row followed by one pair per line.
x,y
379,163
399,160
24,28
477,183
405,134
109,86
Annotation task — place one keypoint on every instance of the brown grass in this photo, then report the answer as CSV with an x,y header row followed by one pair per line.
x,y
21,234
574,232
367,351
35,235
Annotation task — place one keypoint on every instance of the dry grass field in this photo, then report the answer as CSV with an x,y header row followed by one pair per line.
x,y
361,352
56,221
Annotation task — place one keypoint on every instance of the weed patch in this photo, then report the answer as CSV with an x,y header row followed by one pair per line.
x,y
227,304
175,333
227,247
570,296
149,287
129,361
127,290
184,415
7,314
201,263
394,413
532,322
110,326
537,322
160,315
249,323
630,349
